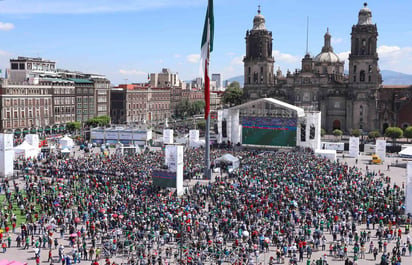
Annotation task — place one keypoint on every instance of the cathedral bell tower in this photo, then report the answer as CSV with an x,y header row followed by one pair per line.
x,y
258,62
364,73
363,59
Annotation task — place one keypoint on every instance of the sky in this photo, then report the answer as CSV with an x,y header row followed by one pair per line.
x,y
127,39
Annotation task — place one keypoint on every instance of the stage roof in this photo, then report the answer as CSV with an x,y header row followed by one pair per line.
x,y
299,111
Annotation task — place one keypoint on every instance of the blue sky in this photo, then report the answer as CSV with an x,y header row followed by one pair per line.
x,y
127,39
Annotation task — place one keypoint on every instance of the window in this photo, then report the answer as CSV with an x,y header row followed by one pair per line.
x,y
370,69
362,76
14,66
303,132
354,69
312,132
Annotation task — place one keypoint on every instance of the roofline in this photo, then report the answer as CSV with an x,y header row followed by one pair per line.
x,y
299,111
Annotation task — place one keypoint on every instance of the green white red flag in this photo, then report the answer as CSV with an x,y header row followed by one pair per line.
x,y
207,48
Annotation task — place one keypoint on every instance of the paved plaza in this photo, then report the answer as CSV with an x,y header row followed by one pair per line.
x,y
390,168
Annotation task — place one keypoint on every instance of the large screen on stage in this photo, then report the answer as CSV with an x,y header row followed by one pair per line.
x,y
269,131
164,178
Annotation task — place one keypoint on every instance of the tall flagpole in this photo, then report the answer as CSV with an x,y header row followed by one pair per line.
x,y
207,133
207,47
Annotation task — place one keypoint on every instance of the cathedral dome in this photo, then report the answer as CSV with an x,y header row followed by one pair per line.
x,y
259,21
327,55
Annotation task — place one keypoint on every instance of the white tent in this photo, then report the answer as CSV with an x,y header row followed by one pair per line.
x,y
228,159
66,142
26,150
327,154
65,151
407,152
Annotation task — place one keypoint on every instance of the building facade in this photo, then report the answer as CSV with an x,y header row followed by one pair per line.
x,y
37,97
346,101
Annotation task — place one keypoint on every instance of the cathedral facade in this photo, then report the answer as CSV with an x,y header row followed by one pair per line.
x,y
354,101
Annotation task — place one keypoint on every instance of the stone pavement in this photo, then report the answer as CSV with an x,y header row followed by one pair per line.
x,y
397,174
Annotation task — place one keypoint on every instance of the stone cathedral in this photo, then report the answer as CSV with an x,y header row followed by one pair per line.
x,y
346,101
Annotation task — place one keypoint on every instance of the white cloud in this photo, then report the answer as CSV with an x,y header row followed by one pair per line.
x,y
89,6
388,49
344,56
237,61
4,53
336,40
285,57
178,55
6,26
193,58
395,58
131,72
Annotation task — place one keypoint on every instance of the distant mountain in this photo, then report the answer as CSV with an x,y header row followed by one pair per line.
x,y
238,78
396,78
389,78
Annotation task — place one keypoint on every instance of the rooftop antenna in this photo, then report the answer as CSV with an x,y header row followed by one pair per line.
x,y
307,34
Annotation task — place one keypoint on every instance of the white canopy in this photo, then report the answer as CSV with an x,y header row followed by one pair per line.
x,y
230,159
26,150
66,142
65,151
407,152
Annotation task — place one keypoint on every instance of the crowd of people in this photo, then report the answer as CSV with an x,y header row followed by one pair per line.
x,y
278,207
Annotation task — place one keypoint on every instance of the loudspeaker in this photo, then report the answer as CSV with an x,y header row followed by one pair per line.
x,y
224,131
303,132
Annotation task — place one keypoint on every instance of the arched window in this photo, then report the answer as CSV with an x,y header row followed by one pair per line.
x,y
362,76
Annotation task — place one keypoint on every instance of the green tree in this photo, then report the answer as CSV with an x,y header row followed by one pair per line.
x,y
233,94
185,108
355,132
182,109
374,134
234,84
201,124
98,121
394,133
337,133
73,127
322,132
408,132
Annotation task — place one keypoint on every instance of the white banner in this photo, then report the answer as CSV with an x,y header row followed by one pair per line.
x,y
381,149
97,134
408,199
354,147
193,137
171,157
125,135
112,135
167,136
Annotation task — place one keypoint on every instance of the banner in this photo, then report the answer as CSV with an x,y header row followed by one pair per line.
x,y
408,199
381,149
171,157
164,178
167,136
193,138
354,147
